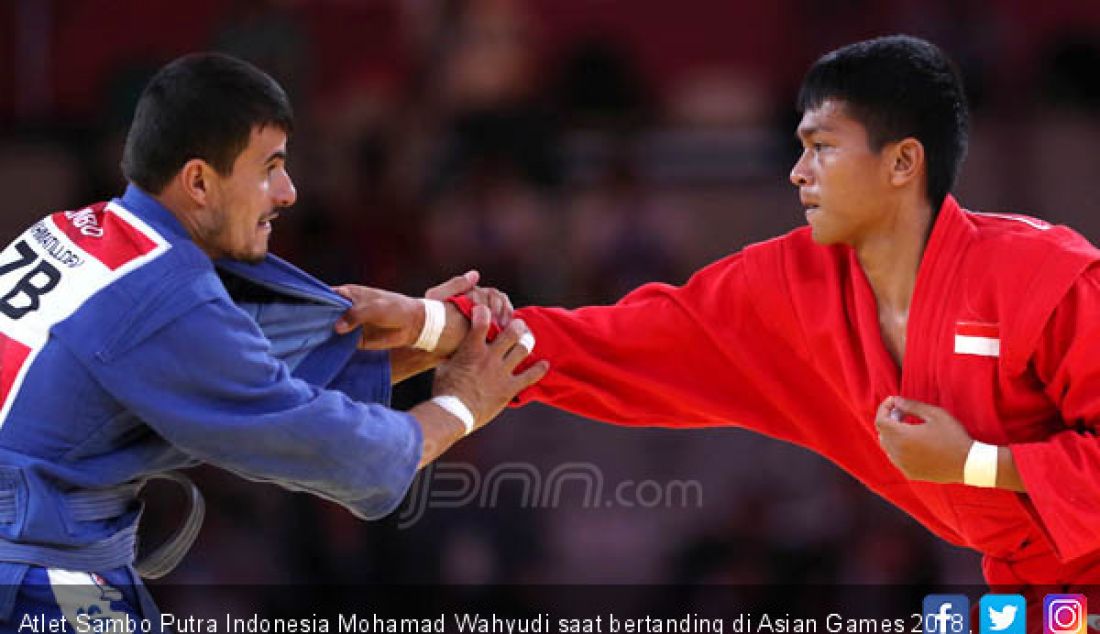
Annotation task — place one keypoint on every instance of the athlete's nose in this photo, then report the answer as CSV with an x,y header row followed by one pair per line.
x,y
799,174
285,193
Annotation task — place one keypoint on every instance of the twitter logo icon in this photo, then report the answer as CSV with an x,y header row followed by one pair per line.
x,y
1003,614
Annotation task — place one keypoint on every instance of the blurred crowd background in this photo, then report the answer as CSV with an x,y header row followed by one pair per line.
x,y
569,150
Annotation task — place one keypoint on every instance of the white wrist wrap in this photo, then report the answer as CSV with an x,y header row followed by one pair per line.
x,y
435,317
981,466
458,409
527,340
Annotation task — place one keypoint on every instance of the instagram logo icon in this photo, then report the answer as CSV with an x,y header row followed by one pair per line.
x,y
1064,614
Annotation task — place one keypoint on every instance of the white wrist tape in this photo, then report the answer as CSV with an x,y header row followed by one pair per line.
x,y
456,408
527,340
981,466
435,317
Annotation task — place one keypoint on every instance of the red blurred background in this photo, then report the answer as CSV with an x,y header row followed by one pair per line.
x,y
570,150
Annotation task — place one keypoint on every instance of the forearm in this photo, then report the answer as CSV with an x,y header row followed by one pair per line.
x,y
407,362
1008,476
440,430
454,331
991,466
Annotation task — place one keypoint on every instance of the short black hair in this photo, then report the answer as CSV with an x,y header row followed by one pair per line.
x,y
899,86
203,105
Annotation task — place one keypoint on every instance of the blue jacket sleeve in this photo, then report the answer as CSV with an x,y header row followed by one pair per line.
x,y
366,377
207,382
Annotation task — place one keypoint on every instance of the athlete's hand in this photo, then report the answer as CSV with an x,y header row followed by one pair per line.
x,y
933,450
392,320
480,373
456,325
498,302
389,320
457,285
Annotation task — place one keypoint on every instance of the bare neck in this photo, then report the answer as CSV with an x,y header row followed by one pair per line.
x,y
891,255
188,214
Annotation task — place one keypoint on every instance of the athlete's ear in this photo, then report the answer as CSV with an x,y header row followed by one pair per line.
x,y
195,178
907,161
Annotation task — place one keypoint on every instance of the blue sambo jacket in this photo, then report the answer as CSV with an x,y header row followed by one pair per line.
x,y
123,355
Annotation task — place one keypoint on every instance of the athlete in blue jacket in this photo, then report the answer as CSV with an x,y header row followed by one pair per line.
x,y
154,332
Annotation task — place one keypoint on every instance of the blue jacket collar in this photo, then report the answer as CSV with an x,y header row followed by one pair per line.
x,y
155,214
279,275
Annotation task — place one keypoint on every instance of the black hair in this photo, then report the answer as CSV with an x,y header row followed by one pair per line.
x,y
205,106
899,86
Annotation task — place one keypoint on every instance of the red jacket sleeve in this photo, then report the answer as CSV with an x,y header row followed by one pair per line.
x,y
1062,473
690,356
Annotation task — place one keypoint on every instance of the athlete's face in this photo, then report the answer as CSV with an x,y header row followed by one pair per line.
x,y
245,201
843,184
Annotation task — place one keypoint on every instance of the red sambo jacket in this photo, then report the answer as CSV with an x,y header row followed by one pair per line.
x,y
783,338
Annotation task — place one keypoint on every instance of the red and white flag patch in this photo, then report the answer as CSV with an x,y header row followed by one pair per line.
x,y
976,338
100,231
52,269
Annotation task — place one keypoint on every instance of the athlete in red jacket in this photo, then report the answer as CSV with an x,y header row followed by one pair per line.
x,y
946,359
